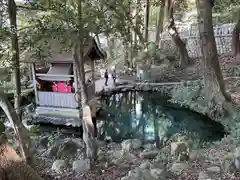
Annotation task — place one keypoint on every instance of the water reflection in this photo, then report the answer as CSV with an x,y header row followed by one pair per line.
x,y
149,117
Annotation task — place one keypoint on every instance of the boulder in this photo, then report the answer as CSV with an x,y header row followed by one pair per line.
x,y
178,148
120,156
149,146
214,169
178,167
131,145
81,166
140,174
229,166
183,156
145,165
228,162
149,154
195,154
146,174
64,149
157,173
67,149
237,152
203,176
59,165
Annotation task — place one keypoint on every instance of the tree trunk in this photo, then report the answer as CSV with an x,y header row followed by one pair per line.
x,y
98,40
160,19
110,46
129,38
126,56
19,129
146,20
236,40
12,11
137,24
184,57
213,78
87,123
1,14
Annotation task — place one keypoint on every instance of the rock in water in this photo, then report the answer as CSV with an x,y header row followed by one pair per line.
x,y
81,166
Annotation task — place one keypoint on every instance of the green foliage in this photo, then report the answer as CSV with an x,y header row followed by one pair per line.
x,y
191,95
233,126
35,130
228,11
54,136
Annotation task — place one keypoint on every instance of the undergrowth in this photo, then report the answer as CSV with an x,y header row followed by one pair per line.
x,y
191,95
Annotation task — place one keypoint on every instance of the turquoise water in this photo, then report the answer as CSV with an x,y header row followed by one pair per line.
x,y
150,117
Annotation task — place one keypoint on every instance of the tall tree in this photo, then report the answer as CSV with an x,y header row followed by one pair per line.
x,y
213,78
184,57
160,19
87,124
12,11
146,24
137,24
236,38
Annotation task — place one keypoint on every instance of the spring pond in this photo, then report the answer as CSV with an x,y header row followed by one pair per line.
x,y
150,117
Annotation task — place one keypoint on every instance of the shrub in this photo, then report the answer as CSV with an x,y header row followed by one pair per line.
x,y
190,95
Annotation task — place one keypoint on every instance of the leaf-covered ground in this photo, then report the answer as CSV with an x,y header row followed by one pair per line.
x,y
199,162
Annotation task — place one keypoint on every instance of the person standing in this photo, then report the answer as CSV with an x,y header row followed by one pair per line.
x,y
114,76
106,77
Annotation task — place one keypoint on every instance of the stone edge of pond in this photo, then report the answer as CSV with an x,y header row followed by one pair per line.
x,y
163,88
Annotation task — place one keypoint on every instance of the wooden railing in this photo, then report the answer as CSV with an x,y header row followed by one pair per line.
x,y
57,99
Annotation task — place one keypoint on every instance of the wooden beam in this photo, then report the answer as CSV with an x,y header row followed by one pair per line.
x,y
34,82
75,77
